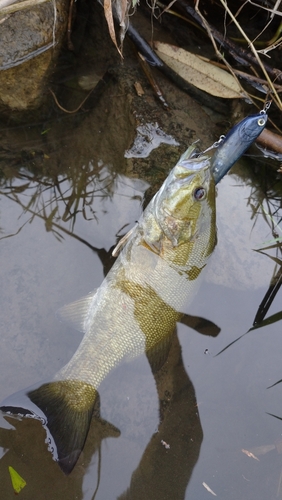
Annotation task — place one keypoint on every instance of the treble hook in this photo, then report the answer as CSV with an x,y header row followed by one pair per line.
x,y
266,107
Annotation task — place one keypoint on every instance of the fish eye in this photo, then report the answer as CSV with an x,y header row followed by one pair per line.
x,y
199,193
261,122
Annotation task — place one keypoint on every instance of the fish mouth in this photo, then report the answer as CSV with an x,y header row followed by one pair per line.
x,y
201,162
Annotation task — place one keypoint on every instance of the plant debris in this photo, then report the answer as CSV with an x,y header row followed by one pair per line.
x,y
203,75
209,489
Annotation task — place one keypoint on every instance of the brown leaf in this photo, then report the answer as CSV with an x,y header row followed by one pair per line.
x,y
199,73
122,7
108,11
250,454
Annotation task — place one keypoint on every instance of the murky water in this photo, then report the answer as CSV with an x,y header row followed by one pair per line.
x,y
56,233
67,193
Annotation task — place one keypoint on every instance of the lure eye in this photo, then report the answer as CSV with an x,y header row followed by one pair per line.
x,y
199,193
261,122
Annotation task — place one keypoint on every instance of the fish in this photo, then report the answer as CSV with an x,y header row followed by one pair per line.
x,y
135,310
236,142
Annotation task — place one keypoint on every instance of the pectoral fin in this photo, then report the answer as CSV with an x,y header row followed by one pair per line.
x,y
201,325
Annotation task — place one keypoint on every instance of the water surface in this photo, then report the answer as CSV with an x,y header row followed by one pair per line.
x,y
63,207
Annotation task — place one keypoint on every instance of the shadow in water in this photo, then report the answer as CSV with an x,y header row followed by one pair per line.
x,y
164,469
24,448
168,461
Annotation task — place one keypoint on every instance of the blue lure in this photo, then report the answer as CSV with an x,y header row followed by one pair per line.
x,y
236,142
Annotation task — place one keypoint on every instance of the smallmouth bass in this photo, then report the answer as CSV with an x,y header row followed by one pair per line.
x,y
135,309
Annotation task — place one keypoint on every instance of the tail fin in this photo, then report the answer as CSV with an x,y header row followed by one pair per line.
x,y
65,409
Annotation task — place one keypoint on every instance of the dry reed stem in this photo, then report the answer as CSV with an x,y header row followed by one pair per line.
x,y
273,11
219,54
275,96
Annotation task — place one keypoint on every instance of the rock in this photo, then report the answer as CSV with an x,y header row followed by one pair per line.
x,y
30,41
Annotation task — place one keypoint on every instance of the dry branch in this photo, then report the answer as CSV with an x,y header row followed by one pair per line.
x,y
240,54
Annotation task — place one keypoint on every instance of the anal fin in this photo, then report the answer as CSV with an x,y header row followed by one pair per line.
x,y
76,313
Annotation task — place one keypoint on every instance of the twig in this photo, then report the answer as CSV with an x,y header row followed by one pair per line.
x,y
273,46
215,46
259,62
273,11
147,70
238,53
246,76
66,110
270,140
267,24
70,44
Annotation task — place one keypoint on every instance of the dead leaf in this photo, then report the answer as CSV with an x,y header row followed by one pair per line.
x,y
122,8
201,74
139,89
250,454
209,489
108,11
18,482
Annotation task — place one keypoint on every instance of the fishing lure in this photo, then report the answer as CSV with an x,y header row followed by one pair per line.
x,y
237,141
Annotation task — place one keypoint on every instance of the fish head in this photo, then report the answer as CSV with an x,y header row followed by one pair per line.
x,y
185,206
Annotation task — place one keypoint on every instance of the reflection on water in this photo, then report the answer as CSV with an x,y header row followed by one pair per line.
x,y
179,425
54,248
175,446
61,198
